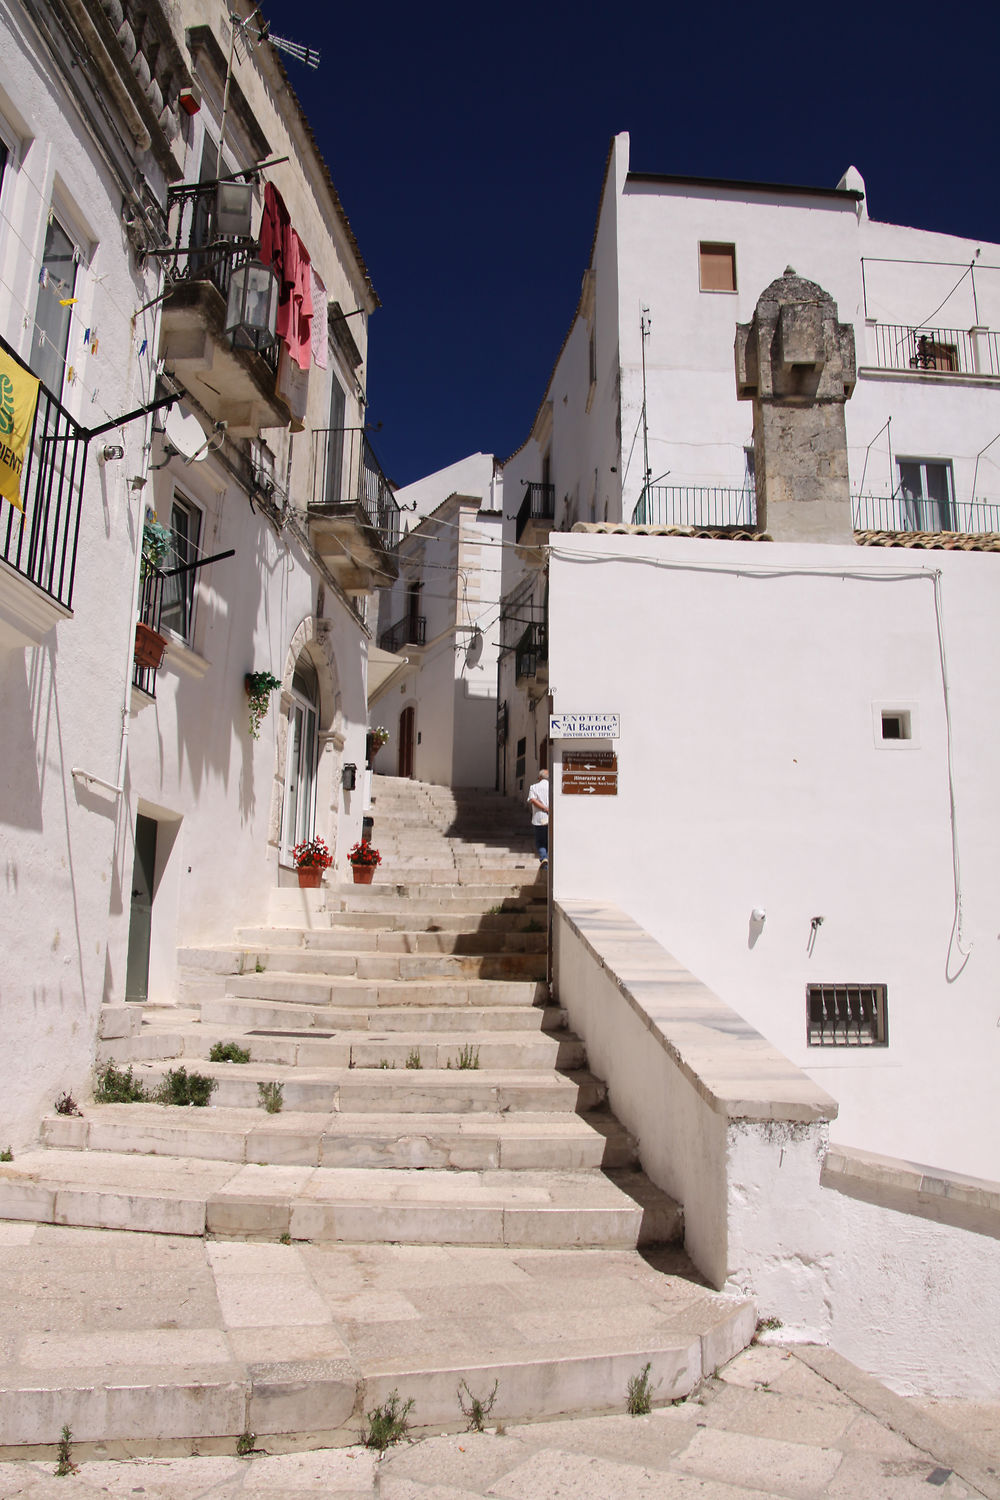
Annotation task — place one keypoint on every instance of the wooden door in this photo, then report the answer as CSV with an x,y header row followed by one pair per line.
x,y
406,726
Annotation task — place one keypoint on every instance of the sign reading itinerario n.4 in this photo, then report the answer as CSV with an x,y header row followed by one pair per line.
x,y
588,726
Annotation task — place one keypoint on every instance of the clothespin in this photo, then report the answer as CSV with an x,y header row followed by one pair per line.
x,y
71,374
66,301
43,276
142,347
86,338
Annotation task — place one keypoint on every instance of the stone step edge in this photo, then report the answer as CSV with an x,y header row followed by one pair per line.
x,y
289,1405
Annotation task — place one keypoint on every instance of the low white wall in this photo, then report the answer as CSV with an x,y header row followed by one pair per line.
x,y
724,1122
892,1263
916,1282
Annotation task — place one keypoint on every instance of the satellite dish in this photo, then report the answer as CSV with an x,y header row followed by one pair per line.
x,y
185,435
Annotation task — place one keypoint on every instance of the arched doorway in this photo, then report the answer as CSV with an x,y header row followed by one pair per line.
x,y
298,818
407,723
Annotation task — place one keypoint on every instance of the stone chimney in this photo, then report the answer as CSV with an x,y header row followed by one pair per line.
x,y
795,362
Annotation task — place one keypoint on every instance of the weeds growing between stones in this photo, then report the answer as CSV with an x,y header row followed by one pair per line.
x,y
639,1399
477,1412
272,1097
229,1052
386,1424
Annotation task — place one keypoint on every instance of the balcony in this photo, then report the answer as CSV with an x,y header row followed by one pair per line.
x,y
531,655
536,517
236,386
38,546
921,513
411,630
934,351
150,612
696,505
353,515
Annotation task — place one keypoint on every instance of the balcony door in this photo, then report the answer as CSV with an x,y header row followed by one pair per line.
x,y
299,813
407,724
334,489
926,489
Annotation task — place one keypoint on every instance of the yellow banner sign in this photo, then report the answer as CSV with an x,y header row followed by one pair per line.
x,y
18,397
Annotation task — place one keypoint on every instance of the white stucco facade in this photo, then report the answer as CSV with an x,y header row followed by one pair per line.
x,y
753,776
442,616
172,753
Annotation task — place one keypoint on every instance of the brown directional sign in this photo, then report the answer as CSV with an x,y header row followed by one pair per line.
x,y
590,773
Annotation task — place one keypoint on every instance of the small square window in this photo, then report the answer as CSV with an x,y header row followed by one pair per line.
x,y
718,267
847,1015
895,724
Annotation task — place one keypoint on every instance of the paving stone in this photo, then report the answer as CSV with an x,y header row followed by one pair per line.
x,y
736,1459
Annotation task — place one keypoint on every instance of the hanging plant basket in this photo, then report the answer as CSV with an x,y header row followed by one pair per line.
x,y
149,646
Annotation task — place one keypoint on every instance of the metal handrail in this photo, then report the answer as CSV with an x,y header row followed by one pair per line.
x,y
899,513
696,505
346,473
942,351
411,630
539,504
41,541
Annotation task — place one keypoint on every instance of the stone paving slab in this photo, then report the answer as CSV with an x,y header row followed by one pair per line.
x,y
844,1436
145,1341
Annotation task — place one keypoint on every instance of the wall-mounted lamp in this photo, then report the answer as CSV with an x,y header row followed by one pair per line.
x,y
252,308
349,777
111,451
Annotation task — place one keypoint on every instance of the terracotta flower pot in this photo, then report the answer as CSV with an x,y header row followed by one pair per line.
x,y
310,877
149,646
363,874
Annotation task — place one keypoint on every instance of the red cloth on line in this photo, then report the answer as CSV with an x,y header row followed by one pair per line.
x,y
281,248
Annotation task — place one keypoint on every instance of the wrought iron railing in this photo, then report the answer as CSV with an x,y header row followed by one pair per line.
x,y
411,630
695,505
40,542
897,513
947,351
150,613
539,504
346,473
198,252
532,651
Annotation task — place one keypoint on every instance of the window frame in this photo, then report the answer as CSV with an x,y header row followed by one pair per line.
x,y
877,1023
44,368
916,506
185,585
716,246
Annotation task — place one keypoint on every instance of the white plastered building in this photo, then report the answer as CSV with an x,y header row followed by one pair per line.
x,y
139,815
439,625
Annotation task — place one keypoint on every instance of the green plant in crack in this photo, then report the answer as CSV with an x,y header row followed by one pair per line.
x,y
413,1059
639,1397
246,1444
119,1086
477,1411
468,1056
386,1424
271,1096
7,1155
229,1052
64,1454
67,1105
183,1088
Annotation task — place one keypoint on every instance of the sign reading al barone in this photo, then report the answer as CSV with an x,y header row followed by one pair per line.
x,y
18,397
588,726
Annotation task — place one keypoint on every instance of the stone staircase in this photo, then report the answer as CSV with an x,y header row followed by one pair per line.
x,y
431,1096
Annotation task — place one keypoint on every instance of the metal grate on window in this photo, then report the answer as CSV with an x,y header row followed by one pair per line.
x,y
847,1015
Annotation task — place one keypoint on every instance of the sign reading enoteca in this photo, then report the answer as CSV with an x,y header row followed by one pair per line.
x,y
584,727
18,398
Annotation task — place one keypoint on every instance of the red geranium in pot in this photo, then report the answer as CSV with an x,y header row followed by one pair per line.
x,y
364,861
311,858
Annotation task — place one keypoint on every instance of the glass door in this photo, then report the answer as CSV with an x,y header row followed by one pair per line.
x,y
298,820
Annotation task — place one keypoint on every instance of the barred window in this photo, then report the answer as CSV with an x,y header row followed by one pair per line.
x,y
847,1015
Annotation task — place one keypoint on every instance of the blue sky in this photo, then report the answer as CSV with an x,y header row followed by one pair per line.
x,y
468,148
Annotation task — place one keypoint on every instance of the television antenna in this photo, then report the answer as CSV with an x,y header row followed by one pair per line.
x,y
250,31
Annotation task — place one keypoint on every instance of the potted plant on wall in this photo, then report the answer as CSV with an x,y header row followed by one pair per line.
x,y
149,643
311,858
364,862
259,686
377,737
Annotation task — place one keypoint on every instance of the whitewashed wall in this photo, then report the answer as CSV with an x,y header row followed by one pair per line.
x,y
752,775
60,844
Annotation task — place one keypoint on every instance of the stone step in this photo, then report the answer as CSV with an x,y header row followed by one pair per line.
x,y
358,939
465,1142
560,1333
319,1075
518,1051
351,993
350,963
495,926
187,1196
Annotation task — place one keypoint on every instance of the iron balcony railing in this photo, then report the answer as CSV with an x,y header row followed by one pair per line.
x,y
40,542
899,513
539,504
949,351
532,651
346,474
695,505
150,613
197,252
411,630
